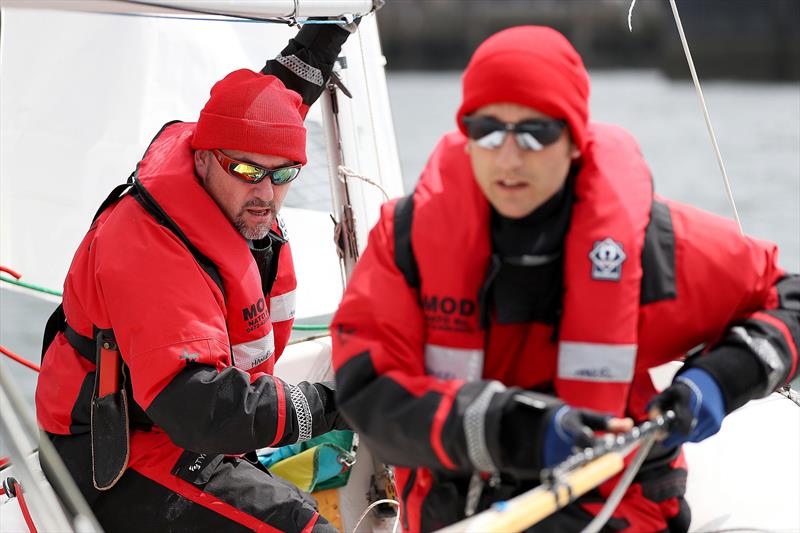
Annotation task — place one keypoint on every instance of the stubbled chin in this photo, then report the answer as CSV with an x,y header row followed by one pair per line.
x,y
254,230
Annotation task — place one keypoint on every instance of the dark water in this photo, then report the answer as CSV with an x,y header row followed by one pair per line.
x,y
758,126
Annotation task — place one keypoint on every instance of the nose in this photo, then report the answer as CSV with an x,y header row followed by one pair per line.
x,y
508,156
264,190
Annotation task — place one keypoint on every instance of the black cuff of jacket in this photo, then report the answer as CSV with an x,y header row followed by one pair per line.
x,y
736,370
522,430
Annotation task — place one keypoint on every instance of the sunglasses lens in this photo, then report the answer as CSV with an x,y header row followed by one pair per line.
x,y
527,141
248,172
492,140
479,127
284,175
534,135
544,132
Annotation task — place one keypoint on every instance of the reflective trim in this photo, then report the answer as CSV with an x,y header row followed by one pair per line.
x,y
302,69
453,363
303,412
250,354
475,428
282,307
588,361
767,354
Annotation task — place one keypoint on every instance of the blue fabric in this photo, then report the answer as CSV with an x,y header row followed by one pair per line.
x,y
558,443
707,406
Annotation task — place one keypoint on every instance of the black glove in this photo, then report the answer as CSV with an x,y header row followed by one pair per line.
x,y
697,402
305,65
332,415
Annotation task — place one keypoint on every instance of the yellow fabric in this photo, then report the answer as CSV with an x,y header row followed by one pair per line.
x,y
299,469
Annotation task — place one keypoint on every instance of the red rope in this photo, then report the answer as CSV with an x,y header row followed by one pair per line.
x,y
4,461
19,359
26,514
13,273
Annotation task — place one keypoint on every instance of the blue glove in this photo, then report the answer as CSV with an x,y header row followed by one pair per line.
x,y
570,428
696,400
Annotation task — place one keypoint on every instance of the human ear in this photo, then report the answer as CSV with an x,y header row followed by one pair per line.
x,y
201,162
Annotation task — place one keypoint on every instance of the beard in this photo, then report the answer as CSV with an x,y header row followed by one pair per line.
x,y
258,230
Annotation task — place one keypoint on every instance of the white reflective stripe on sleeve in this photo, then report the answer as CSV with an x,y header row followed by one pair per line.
x,y
252,353
590,361
305,421
453,363
302,69
282,307
475,428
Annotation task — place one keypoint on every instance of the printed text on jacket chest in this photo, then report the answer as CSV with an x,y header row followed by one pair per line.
x,y
448,313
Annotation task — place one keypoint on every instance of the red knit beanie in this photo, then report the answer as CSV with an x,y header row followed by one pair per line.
x,y
255,113
534,66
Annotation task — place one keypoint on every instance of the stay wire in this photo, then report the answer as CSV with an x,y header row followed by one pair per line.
x,y
612,502
704,107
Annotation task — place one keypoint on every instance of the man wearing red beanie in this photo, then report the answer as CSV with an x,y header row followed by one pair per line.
x,y
156,384
516,300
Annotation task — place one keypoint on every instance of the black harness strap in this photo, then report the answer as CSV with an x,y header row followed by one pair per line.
x,y
83,345
403,251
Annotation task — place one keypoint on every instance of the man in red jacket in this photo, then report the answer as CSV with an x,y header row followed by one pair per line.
x,y
531,281
156,385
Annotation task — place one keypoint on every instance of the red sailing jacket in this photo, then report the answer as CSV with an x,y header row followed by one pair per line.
x,y
170,318
645,281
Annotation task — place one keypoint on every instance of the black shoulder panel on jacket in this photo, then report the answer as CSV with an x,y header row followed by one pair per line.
x,y
403,252
658,257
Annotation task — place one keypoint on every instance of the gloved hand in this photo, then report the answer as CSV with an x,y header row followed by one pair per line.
x,y
696,400
569,428
306,63
333,417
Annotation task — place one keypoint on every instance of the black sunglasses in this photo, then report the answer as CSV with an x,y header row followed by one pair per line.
x,y
253,173
534,134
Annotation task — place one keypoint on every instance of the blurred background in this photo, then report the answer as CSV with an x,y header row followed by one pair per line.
x,y
738,39
747,55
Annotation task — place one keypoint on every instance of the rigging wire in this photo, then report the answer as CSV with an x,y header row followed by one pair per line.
x,y
612,502
706,116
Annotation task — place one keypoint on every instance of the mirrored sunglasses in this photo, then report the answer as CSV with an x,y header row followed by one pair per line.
x,y
253,173
534,135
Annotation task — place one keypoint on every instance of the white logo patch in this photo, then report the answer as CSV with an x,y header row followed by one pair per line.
x,y
607,257
282,226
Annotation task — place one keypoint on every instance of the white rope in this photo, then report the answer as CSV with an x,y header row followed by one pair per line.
x,y
705,112
376,503
350,173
